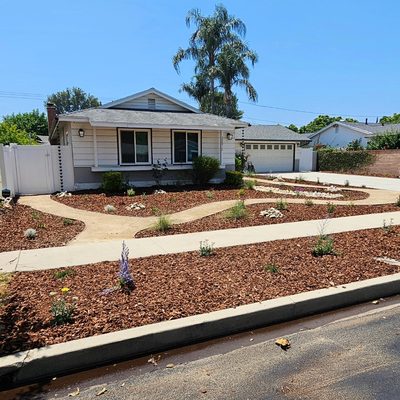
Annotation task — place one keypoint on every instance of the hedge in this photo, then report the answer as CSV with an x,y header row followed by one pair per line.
x,y
342,160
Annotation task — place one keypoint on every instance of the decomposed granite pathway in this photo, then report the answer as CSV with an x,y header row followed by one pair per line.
x,y
55,257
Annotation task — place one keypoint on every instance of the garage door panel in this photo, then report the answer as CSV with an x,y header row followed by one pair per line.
x,y
271,157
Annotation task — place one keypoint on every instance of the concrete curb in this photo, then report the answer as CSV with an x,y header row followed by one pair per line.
x,y
46,362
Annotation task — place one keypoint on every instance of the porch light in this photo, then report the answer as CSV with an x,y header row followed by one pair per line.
x,y
229,136
81,132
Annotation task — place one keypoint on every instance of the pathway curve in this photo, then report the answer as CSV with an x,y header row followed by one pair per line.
x,y
55,257
100,226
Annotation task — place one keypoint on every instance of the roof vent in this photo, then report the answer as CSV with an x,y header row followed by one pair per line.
x,y
151,103
366,121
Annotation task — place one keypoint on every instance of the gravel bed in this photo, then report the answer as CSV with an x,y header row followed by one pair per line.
x,y
51,230
175,199
293,213
179,285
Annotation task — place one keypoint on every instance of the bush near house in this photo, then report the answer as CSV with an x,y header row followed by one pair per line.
x,y
234,178
112,182
12,134
385,141
343,160
204,169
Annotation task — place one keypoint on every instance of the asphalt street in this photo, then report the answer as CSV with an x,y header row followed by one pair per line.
x,y
354,357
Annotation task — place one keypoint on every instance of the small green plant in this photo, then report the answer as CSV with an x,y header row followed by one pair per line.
x,y
309,203
130,192
62,311
330,208
155,210
346,183
323,247
41,225
274,269
210,195
397,203
387,226
64,273
35,215
204,169
350,204
250,184
234,178
68,221
112,182
109,208
238,211
206,248
30,233
241,192
281,205
163,223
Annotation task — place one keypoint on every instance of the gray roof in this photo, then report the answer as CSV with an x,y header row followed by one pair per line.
x,y
270,132
141,119
373,128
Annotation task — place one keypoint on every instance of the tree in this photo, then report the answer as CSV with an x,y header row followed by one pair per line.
x,y
72,99
211,36
34,123
12,134
394,119
385,141
293,128
321,122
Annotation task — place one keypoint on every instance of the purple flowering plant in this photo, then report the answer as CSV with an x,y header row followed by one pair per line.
x,y
126,281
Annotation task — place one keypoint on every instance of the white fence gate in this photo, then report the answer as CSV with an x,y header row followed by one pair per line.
x,y
40,169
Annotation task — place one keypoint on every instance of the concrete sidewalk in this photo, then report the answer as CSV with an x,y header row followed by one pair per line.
x,y
55,257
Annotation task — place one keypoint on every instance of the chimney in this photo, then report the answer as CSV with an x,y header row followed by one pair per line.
x,y
377,120
51,117
366,121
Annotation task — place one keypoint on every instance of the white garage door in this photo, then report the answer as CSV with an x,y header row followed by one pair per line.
x,y
271,157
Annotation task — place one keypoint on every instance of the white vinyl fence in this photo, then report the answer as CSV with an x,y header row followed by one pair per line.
x,y
307,160
40,169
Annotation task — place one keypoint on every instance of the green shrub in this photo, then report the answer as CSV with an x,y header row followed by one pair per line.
x,y
210,194
206,249
324,246
234,178
68,221
384,141
342,160
271,268
250,184
64,273
30,233
330,208
204,169
130,192
241,192
281,205
163,223
238,211
62,312
309,203
112,182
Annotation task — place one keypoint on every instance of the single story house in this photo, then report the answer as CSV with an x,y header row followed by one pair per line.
x,y
339,134
133,133
274,148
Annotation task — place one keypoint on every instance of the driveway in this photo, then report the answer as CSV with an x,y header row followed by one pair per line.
x,y
340,179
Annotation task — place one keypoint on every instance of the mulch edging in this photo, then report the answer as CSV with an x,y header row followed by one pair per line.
x,y
179,285
51,230
178,199
294,213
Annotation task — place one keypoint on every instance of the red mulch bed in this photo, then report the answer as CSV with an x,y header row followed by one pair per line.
x,y
179,285
175,200
293,213
51,230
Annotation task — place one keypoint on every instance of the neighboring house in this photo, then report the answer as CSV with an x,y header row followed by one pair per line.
x,y
274,148
135,132
340,134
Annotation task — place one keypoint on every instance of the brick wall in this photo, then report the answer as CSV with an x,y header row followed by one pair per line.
x,y
387,163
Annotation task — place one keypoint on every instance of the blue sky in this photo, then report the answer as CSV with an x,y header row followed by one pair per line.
x,y
335,57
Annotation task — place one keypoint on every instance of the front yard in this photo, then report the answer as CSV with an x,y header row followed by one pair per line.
x,y
178,285
45,230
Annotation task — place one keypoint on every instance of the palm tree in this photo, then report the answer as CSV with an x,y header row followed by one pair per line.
x,y
232,70
210,36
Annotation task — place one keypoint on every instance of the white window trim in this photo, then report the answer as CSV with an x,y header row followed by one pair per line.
x,y
134,145
173,145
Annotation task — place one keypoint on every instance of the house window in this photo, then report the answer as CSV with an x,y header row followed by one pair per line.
x,y
283,147
262,146
248,146
276,146
134,146
255,146
269,146
186,146
289,147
